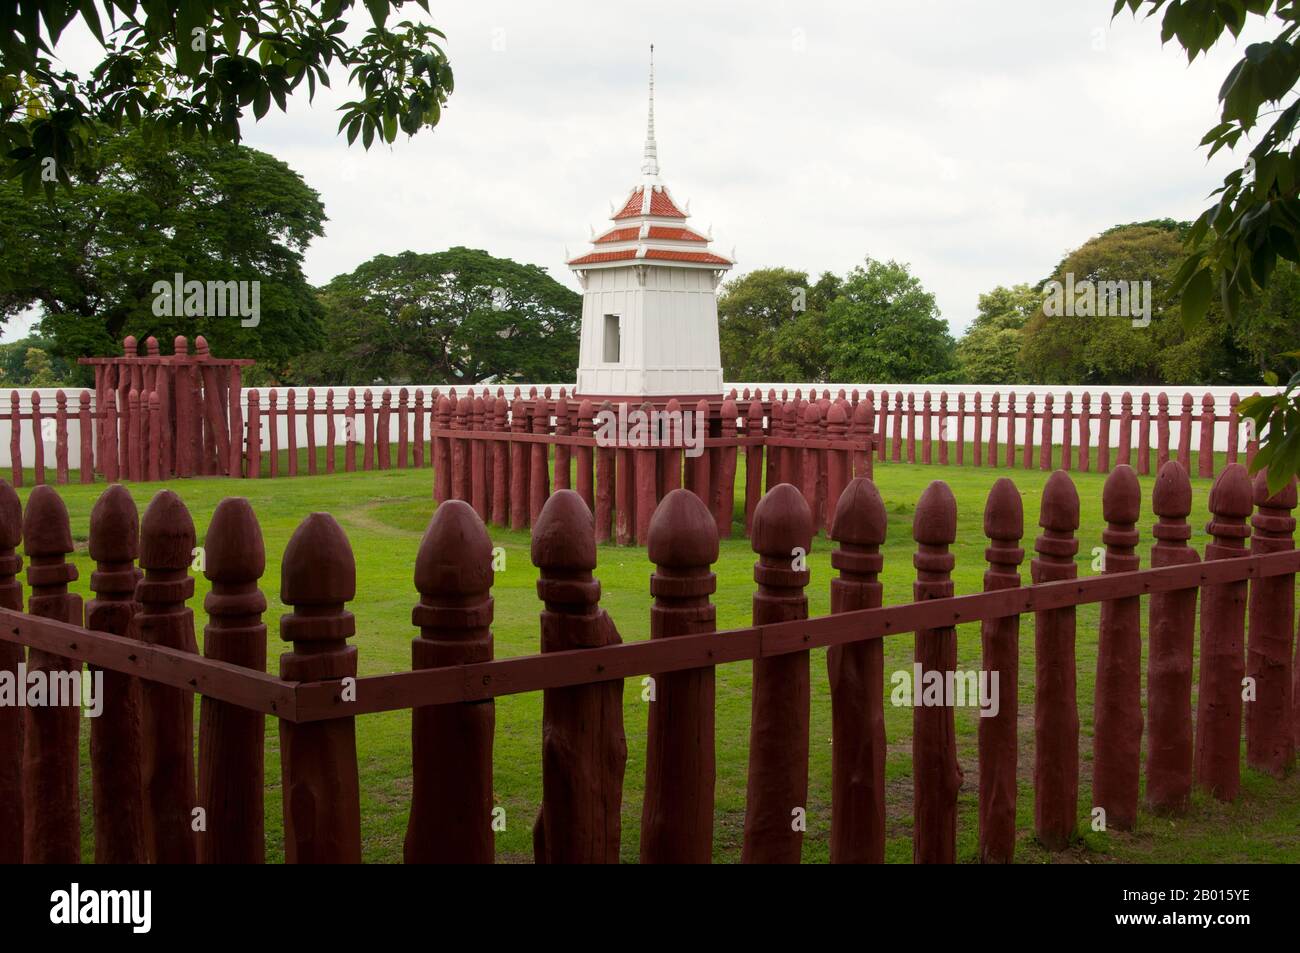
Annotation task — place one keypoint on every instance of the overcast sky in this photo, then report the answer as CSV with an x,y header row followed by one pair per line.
x,y
976,141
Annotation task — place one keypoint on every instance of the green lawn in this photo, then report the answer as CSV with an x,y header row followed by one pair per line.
x,y
384,515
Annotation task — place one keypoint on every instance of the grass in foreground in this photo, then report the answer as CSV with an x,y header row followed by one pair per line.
x,y
384,515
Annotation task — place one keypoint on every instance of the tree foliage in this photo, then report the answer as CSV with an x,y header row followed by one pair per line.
x,y
458,316
89,260
196,67
989,351
27,363
772,325
884,326
1235,246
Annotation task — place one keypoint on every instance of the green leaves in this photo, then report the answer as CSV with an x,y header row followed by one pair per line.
x,y
195,67
455,316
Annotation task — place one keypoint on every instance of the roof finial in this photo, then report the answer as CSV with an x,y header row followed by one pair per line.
x,y
651,164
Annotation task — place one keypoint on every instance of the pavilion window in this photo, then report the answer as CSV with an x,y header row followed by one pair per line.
x,y
612,349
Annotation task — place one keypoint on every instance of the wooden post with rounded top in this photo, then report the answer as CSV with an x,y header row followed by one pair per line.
x,y
677,814
309,420
584,455
1048,434
808,475
724,481
1067,433
753,462
331,432
1144,437
584,750
418,420
863,431
776,801
1270,741
167,719
605,488
1234,427
135,443
480,486
115,741
857,678
442,451
1030,418
254,435
1085,434
451,745
645,493
87,448
1117,704
1205,453
273,432
881,425
318,760
1125,428
995,416
563,451
384,433
500,464
11,656
977,451
1223,624
153,471
1171,627
519,463
1162,432
539,487
51,792
15,438
368,447
1185,433
1004,525
670,477
231,775
1009,460
839,464
896,443
60,437
403,427
1056,711
911,427
1103,435
934,735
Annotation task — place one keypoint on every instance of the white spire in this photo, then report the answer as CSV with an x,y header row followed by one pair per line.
x,y
650,166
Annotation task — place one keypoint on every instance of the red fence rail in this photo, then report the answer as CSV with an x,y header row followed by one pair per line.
x,y
142,749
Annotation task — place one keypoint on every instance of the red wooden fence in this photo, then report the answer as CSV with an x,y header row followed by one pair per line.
x,y
142,746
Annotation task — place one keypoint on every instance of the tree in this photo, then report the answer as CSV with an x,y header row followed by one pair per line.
x,y
771,325
94,260
452,317
40,372
17,360
194,68
1234,247
989,351
884,326
1138,339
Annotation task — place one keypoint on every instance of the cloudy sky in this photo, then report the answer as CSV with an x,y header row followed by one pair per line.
x,y
975,141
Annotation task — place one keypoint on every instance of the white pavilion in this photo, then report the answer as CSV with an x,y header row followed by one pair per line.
x,y
649,304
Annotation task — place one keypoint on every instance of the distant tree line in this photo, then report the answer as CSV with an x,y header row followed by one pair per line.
x,y
878,323
90,263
